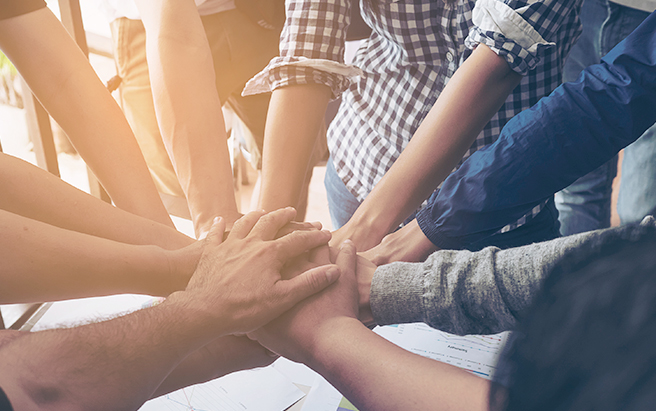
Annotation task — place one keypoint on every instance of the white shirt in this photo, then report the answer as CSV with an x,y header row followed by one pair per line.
x,y
114,9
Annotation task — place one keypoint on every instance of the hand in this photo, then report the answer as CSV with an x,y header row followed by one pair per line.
x,y
362,236
183,262
295,333
204,226
238,285
407,244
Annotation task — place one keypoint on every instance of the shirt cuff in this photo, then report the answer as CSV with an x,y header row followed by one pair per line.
x,y
286,71
506,32
397,293
433,232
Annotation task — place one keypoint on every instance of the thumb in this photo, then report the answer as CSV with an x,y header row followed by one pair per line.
x,y
215,234
308,283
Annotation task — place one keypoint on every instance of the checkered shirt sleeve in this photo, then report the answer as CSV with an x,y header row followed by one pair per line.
x,y
519,30
311,49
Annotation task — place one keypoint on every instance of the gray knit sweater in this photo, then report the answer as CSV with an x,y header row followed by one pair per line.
x,y
482,292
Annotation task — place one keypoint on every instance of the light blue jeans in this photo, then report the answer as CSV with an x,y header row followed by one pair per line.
x,y
585,205
341,203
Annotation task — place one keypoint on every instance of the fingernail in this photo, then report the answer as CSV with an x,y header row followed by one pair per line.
x,y
332,274
216,220
316,224
346,244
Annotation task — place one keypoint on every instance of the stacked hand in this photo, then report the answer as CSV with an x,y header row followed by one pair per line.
x,y
238,284
295,334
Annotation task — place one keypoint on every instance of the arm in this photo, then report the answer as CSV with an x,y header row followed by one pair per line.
x,y
606,109
188,108
288,144
308,73
41,262
220,357
482,292
371,372
69,87
236,288
509,39
478,88
36,194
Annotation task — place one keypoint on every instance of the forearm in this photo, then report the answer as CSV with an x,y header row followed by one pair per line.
x,y
580,126
482,292
375,374
113,365
476,91
72,93
216,359
188,109
37,194
293,122
42,262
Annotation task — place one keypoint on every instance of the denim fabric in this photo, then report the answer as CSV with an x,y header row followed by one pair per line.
x,y
542,150
585,205
637,196
543,227
341,203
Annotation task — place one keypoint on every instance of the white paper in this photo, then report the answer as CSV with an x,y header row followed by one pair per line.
x,y
478,354
262,389
296,372
322,396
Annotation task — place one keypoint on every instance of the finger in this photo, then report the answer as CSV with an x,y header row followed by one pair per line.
x,y
375,256
299,242
296,226
267,227
347,258
244,225
297,289
215,234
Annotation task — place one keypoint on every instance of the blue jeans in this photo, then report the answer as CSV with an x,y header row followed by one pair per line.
x,y
585,205
342,204
637,196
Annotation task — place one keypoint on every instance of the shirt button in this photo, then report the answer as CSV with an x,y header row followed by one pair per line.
x,y
449,57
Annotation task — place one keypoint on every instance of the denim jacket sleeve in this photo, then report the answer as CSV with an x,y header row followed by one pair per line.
x,y
577,128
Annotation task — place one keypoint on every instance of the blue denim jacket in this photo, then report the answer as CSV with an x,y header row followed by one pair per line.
x,y
580,126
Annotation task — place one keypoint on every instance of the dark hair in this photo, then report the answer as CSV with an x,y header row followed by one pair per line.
x,y
589,340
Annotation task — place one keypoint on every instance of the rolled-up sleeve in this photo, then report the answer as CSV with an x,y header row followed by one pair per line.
x,y
519,31
311,49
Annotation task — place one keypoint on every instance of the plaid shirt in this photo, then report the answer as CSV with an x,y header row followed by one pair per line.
x,y
414,49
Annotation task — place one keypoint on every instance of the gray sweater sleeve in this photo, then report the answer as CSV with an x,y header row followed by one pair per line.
x,y
464,292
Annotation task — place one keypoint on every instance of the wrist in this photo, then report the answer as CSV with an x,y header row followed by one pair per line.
x,y
200,319
181,265
369,227
330,341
